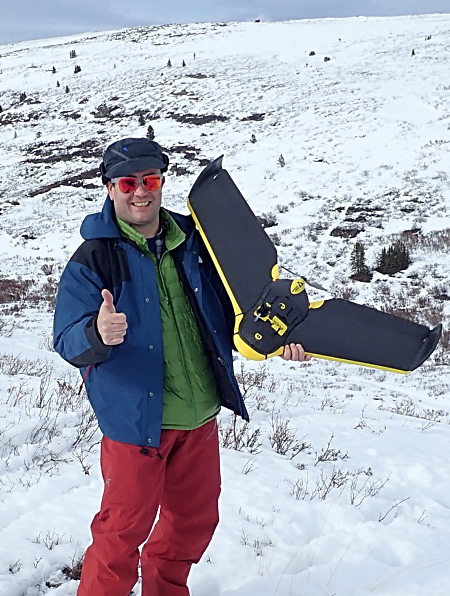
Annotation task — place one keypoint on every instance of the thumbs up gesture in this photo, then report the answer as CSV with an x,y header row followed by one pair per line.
x,y
111,325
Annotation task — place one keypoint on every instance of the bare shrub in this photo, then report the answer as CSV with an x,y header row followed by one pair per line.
x,y
48,460
408,408
424,311
23,292
249,466
434,241
441,355
329,454
328,481
14,290
344,291
369,488
18,394
239,436
11,365
68,396
252,382
15,567
283,439
6,327
44,431
48,293
299,488
396,504
409,303
275,239
268,220
73,571
47,268
86,427
337,479
49,540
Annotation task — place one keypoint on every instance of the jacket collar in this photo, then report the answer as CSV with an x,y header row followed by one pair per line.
x,y
101,225
173,235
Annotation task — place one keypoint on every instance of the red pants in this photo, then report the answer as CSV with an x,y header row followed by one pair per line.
x,y
183,478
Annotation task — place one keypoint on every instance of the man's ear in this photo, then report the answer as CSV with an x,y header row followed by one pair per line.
x,y
109,187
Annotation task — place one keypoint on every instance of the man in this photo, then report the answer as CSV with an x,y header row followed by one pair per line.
x,y
142,312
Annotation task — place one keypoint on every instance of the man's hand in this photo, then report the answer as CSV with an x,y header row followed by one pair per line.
x,y
111,325
295,352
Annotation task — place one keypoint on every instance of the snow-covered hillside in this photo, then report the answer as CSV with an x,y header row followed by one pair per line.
x,y
336,131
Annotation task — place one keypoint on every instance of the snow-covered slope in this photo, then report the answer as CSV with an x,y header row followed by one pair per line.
x,y
352,148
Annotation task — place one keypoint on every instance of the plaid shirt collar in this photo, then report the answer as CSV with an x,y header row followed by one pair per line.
x,y
160,239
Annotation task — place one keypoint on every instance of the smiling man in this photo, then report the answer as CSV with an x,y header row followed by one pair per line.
x,y
142,312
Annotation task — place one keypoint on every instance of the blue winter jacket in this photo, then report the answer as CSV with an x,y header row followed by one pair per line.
x,y
125,382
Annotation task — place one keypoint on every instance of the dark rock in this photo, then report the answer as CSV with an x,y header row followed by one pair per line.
x,y
345,232
253,118
364,277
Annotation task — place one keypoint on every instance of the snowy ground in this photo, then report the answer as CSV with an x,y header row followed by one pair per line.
x,y
342,488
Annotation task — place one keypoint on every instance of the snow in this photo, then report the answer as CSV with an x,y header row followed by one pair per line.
x,y
365,138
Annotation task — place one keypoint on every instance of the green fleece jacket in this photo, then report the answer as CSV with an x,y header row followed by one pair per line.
x,y
190,397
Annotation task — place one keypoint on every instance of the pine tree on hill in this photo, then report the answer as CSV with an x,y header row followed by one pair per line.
x,y
393,259
358,266
150,133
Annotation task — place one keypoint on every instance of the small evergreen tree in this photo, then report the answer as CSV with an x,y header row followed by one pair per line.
x,y
15,134
169,63
253,139
393,259
281,162
1,109
141,120
67,89
73,54
57,84
184,63
53,70
360,271
150,133
358,259
413,53
23,96
77,69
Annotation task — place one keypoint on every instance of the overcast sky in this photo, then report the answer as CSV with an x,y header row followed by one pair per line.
x,y
21,20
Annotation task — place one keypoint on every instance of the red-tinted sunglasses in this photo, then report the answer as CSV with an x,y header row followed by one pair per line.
x,y
128,184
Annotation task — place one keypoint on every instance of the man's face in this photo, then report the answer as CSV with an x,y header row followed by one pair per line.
x,y
139,209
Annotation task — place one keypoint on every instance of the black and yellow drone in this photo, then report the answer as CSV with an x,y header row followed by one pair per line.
x,y
272,312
